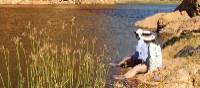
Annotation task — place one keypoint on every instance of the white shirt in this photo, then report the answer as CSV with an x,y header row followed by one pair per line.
x,y
142,49
155,60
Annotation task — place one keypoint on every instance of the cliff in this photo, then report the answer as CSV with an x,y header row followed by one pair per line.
x,y
185,18
180,33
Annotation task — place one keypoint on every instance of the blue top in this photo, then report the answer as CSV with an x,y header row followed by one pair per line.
x,y
142,49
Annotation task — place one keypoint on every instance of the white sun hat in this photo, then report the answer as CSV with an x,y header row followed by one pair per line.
x,y
150,37
146,35
139,32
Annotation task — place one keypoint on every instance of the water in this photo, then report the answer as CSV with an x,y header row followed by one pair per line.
x,y
112,26
123,18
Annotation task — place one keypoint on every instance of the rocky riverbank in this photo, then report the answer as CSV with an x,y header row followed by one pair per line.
x,y
180,32
185,18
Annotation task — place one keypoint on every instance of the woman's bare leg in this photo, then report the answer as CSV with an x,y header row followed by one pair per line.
x,y
141,68
121,62
124,60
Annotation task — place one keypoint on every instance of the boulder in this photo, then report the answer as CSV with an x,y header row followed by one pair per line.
x,y
191,6
194,71
196,78
149,22
192,24
177,27
172,17
186,51
177,22
177,85
179,79
198,48
171,28
161,20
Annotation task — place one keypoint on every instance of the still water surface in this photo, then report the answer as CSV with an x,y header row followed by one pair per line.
x,y
113,26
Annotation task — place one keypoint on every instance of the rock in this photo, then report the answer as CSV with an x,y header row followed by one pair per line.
x,y
177,28
161,20
194,70
172,17
172,38
198,49
182,75
121,84
191,6
171,28
179,79
178,85
149,22
196,79
175,23
186,51
168,40
156,78
192,24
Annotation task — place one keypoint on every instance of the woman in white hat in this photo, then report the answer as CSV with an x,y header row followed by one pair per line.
x,y
139,59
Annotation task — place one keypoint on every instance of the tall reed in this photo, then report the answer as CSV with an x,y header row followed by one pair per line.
x,y
73,64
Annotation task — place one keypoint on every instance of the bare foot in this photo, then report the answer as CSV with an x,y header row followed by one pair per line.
x,y
119,77
114,64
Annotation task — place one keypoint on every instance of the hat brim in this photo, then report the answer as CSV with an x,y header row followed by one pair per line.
x,y
148,38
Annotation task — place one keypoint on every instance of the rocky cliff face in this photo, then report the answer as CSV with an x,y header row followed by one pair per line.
x,y
185,18
183,29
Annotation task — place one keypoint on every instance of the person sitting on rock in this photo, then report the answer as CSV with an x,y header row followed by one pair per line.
x,y
155,59
155,56
139,59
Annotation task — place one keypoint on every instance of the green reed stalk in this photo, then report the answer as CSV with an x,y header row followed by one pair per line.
x,y
20,78
6,57
2,81
78,66
27,70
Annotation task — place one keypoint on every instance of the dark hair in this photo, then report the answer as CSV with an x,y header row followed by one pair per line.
x,y
136,34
